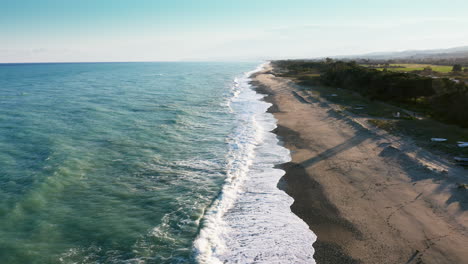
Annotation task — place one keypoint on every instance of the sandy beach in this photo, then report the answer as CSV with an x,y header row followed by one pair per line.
x,y
368,196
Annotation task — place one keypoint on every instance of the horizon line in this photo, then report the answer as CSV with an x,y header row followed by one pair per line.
x,y
77,62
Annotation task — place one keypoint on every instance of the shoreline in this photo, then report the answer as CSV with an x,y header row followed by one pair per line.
x,y
367,201
250,200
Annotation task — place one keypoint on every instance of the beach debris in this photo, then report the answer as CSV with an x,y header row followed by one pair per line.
x,y
397,114
438,139
463,186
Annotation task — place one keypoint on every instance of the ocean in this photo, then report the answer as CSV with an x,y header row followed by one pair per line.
x,y
142,163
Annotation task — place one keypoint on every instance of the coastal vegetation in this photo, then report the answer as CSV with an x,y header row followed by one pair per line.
x,y
443,98
449,60
420,111
455,72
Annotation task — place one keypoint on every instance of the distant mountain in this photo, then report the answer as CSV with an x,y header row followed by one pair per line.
x,y
457,52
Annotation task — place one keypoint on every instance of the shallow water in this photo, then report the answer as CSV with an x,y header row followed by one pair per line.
x,y
127,162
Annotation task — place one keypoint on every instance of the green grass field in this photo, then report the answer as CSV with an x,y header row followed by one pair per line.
x,y
418,67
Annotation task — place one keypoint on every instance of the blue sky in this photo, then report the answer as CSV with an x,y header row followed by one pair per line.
x,y
156,30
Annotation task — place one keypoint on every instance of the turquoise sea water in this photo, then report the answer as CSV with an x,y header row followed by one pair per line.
x,y
123,162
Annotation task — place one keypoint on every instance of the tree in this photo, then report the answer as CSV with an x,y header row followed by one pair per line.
x,y
427,69
457,68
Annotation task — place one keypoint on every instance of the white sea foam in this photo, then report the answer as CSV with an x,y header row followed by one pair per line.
x,y
251,220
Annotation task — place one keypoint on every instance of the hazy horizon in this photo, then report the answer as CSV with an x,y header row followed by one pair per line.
x,y
183,30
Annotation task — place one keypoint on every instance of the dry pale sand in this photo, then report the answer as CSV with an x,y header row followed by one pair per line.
x,y
368,196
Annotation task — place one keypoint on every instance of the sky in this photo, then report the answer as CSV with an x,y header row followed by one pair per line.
x,y
206,30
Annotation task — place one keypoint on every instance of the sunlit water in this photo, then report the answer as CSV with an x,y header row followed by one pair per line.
x,y
133,163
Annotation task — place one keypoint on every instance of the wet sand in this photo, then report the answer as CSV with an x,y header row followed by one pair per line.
x,y
368,196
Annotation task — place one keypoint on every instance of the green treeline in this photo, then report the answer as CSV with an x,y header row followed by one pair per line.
x,y
440,98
